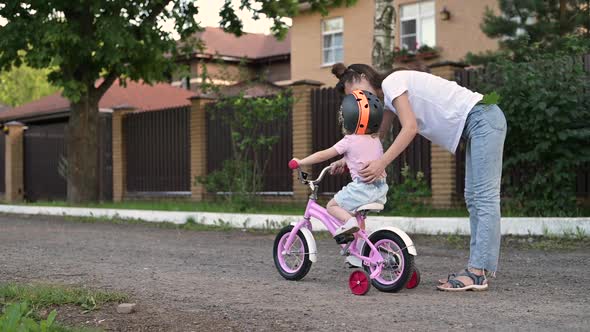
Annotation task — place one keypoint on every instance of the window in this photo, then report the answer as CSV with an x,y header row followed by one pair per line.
x,y
332,50
417,25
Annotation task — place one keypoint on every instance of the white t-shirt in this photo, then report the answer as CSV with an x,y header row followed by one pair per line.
x,y
440,106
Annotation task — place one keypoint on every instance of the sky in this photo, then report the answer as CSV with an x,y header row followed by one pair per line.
x,y
209,16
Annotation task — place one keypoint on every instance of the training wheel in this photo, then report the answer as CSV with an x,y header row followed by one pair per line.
x,y
359,282
414,279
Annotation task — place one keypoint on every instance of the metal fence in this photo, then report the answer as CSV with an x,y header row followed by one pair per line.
x,y
45,162
277,177
2,163
326,131
158,151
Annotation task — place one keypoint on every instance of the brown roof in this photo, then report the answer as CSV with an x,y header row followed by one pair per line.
x,y
251,89
249,45
142,97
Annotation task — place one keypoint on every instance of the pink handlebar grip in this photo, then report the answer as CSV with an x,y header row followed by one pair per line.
x,y
293,164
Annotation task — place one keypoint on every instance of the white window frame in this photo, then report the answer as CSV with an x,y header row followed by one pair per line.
x,y
419,18
332,48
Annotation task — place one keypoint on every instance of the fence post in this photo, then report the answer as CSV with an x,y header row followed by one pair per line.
x,y
14,167
302,127
443,175
198,144
119,152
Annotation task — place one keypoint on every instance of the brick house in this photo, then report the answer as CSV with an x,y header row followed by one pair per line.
x,y
346,34
262,56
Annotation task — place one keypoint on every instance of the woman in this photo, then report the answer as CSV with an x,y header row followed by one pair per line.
x,y
443,112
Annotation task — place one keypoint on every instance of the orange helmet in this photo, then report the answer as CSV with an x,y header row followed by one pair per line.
x,y
362,112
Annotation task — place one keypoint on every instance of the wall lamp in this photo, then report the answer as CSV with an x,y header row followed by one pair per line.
x,y
445,14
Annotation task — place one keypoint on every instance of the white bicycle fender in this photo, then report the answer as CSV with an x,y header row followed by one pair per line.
x,y
311,246
409,243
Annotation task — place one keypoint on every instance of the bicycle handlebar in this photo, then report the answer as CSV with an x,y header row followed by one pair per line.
x,y
293,164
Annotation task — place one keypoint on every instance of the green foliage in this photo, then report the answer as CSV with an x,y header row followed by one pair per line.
x,y
492,98
547,107
235,181
42,296
18,317
251,145
82,43
118,39
89,45
24,84
409,195
275,10
527,28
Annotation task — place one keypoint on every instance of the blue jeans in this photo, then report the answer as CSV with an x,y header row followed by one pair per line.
x,y
485,131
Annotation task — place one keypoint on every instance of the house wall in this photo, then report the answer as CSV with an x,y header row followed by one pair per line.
x,y
460,34
306,42
455,37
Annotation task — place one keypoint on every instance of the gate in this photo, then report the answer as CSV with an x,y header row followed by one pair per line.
x,y
44,162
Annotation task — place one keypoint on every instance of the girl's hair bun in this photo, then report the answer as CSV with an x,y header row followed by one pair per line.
x,y
339,69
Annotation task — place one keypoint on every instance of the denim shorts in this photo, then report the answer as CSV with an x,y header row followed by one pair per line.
x,y
358,193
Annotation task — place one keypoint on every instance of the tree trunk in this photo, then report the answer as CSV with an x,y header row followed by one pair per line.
x,y
82,147
562,17
383,35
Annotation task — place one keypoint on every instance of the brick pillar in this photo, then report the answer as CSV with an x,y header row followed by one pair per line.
x,y
198,145
119,153
443,162
14,164
302,124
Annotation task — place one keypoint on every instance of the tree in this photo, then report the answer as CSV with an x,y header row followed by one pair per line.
x,y
383,35
527,28
91,43
24,84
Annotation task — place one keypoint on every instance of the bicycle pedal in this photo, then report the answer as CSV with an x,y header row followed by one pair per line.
x,y
344,238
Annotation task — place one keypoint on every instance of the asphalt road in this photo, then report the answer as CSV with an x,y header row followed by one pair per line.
x,y
226,281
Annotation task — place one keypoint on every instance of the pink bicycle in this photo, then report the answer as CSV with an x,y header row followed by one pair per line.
x,y
387,254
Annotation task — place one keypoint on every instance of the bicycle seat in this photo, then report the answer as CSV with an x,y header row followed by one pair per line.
x,y
373,207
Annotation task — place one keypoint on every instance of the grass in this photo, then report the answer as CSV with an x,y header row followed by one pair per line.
x,y
190,224
22,304
273,208
41,296
256,208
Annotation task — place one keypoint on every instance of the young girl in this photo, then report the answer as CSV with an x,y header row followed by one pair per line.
x,y
443,112
361,114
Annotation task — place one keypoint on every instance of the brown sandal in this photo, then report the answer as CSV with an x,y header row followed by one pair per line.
x,y
480,283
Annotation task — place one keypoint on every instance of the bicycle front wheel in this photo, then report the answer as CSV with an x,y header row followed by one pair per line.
x,y
293,263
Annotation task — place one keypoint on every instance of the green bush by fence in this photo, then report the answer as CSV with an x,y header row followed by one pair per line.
x,y
547,106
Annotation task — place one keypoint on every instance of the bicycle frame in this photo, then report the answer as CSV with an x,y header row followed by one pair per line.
x,y
316,211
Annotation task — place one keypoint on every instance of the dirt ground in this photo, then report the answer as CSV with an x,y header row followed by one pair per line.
x,y
226,281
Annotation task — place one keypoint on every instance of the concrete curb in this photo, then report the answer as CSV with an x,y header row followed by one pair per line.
x,y
515,226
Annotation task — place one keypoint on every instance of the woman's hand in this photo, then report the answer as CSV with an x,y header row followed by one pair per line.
x,y
338,167
372,171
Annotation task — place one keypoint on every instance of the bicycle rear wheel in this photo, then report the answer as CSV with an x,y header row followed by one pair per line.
x,y
398,266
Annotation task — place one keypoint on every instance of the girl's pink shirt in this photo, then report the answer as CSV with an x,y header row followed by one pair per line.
x,y
359,150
